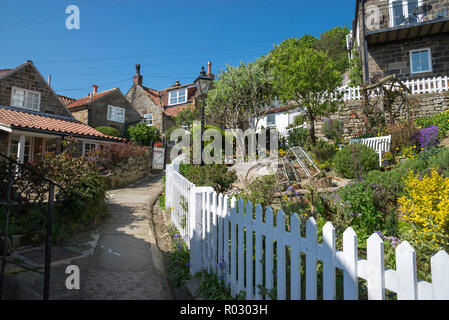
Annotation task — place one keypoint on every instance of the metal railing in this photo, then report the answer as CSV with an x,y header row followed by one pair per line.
x,y
403,13
15,173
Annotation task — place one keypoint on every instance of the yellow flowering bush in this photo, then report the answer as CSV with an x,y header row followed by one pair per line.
x,y
427,205
409,152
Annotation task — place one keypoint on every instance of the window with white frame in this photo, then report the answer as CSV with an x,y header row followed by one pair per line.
x,y
88,148
402,12
27,99
177,96
148,119
271,119
420,61
116,114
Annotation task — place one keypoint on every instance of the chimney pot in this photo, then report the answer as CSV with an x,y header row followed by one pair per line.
x,y
209,68
95,89
138,77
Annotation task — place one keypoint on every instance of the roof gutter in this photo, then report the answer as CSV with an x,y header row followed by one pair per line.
x,y
365,43
65,134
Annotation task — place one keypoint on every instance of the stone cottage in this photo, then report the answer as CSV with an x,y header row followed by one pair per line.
x,y
159,107
108,108
407,38
33,120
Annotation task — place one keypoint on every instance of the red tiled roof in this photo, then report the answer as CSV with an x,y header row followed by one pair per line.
x,y
4,71
277,110
17,118
173,111
84,101
66,100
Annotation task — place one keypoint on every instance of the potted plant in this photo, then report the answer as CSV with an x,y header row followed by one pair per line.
x,y
386,160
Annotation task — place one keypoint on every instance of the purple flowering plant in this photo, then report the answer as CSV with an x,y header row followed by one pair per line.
x,y
428,137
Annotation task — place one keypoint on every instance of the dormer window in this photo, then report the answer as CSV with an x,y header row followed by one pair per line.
x,y
26,99
177,96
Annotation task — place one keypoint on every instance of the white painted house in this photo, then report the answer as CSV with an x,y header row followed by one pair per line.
x,y
279,118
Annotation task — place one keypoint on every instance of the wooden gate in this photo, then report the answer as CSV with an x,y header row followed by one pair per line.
x,y
158,158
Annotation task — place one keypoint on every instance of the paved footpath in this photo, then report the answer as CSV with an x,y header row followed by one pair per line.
x,y
126,263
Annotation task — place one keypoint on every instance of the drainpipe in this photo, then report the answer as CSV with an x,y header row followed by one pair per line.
x,y
365,44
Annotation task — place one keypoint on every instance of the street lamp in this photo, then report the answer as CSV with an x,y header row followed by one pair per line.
x,y
202,84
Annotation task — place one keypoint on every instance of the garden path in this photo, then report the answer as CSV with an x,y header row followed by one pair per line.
x,y
126,262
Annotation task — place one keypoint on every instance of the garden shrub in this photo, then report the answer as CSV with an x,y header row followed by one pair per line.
x,y
260,190
324,151
426,205
372,207
440,120
110,131
143,135
332,129
298,137
80,205
217,176
113,155
355,159
403,134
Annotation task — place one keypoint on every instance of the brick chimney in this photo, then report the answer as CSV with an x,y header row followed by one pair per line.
x,y
209,70
177,84
95,89
138,77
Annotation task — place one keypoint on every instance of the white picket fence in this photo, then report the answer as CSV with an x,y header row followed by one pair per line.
x,y
177,198
418,86
238,242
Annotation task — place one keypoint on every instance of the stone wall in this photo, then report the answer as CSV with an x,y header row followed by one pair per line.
x,y
394,58
135,169
350,113
81,115
27,78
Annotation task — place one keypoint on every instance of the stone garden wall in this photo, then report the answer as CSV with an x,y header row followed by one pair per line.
x,y
350,114
135,169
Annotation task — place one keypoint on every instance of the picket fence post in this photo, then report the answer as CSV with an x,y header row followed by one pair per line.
x,y
233,218
280,255
249,250
268,231
196,227
226,248
220,255
376,278
407,284
259,263
329,289
440,275
311,259
350,279
241,245
295,249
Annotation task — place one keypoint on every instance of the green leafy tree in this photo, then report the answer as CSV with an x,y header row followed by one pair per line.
x,y
143,135
355,68
110,131
305,77
240,93
333,43
186,117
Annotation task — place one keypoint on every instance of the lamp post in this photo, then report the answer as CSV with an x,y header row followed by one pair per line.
x,y
202,84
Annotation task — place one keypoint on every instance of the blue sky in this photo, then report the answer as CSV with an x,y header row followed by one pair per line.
x,y
170,39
